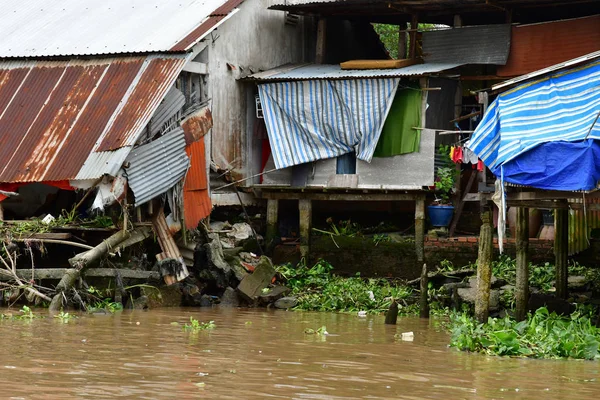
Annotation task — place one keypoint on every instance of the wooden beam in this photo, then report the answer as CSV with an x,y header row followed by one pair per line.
x,y
321,40
561,249
305,208
58,273
461,204
341,196
522,279
420,229
484,266
401,42
196,67
272,221
414,25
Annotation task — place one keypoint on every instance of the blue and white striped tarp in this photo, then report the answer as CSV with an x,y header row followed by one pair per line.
x,y
562,107
318,119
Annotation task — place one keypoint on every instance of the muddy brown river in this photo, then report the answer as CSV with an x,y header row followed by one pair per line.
x,y
261,354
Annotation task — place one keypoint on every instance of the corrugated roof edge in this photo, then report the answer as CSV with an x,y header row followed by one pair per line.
x,y
294,72
547,70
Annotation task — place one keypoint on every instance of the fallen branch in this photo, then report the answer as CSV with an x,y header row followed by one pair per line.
x,y
12,271
54,241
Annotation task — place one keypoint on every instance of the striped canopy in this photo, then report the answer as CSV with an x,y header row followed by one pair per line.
x,y
545,133
316,119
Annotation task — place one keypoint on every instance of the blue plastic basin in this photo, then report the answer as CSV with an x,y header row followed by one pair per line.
x,y
440,215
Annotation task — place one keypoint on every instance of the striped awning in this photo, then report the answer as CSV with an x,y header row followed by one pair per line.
x,y
525,129
311,120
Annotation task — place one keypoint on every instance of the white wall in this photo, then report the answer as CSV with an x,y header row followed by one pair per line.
x,y
256,38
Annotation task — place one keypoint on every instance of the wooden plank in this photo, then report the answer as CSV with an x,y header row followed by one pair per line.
x,y
58,273
461,205
196,67
321,40
48,235
522,279
341,196
168,246
380,64
561,251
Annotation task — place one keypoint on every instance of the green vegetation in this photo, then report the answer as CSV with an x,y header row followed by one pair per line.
x,y
196,326
322,331
26,314
541,335
317,289
388,34
36,225
105,305
444,184
64,317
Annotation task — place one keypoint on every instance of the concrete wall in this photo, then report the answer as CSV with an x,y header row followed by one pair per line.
x,y
254,38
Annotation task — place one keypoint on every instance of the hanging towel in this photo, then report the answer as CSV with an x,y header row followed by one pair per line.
x,y
469,156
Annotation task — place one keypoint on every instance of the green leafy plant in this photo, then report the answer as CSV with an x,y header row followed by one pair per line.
x,y
318,289
444,184
322,331
381,238
105,305
541,335
64,317
26,313
196,326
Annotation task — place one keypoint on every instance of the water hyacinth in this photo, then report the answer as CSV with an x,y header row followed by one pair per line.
x,y
541,335
317,289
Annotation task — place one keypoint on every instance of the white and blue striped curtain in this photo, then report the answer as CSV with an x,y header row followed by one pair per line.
x,y
563,107
318,119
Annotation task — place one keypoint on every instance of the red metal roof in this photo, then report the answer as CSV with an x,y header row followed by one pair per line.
x,y
53,114
534,47
196,199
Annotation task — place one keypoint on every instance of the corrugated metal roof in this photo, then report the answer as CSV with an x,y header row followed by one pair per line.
x,y
566,64
329,71
157,166
485,44
171,104
39,28
537,46
54,115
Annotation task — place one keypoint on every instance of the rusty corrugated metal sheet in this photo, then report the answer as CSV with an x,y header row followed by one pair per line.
x,y
53,114
197,125
149,90
538,46
581,224
196,199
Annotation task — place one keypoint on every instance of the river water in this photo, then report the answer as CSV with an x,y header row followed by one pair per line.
x,y
262,354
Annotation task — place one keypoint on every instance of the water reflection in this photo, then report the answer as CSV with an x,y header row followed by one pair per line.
x,y
256,354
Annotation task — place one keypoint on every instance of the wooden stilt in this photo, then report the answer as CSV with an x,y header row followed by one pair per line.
x,y
321,40
272,221
420,230
484,266
522,280
561,246
305,207
402,42
1,212
424,300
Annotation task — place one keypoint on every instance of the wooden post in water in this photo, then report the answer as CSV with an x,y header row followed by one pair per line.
x,y
423,300
484,266
305,208
561,246
392,313
272,221
420,251
522,281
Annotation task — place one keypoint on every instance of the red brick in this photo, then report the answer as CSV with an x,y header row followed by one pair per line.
x,y
472,240
462,239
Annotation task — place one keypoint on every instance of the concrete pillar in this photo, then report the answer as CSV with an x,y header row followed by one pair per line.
x,y
321,40
272,221
305,207
484,266
522,281
561,249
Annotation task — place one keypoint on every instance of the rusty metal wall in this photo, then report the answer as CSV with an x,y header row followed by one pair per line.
x,y
53,114
538,46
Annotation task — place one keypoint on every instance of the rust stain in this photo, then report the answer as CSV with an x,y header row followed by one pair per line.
x,y
196,199
135,112
52,114
197,125
534,47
